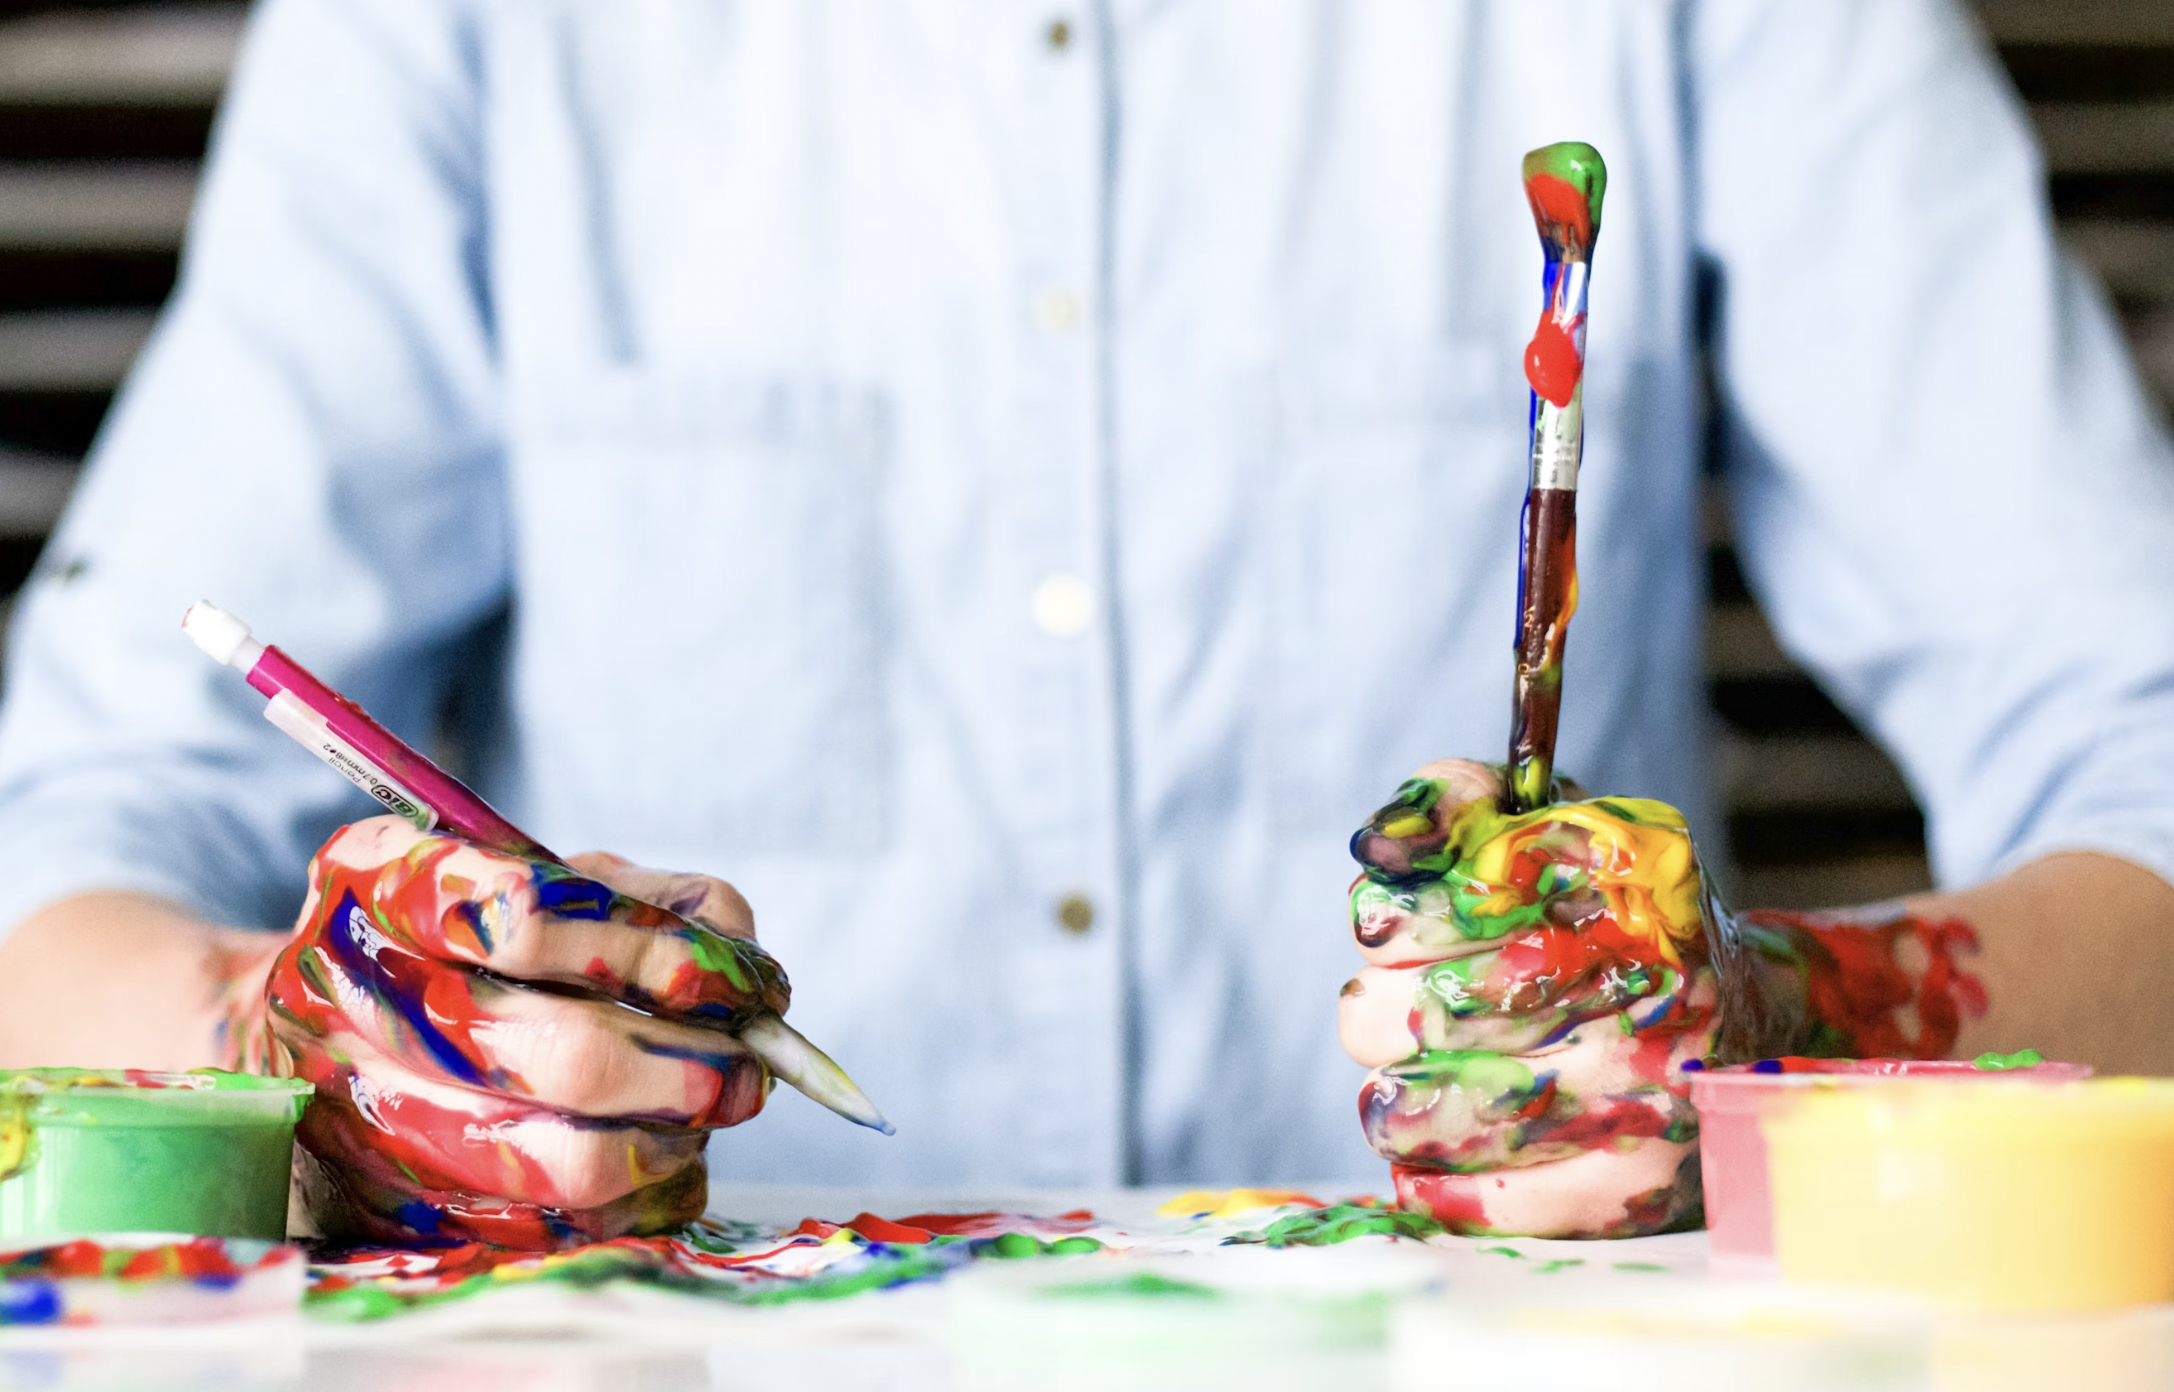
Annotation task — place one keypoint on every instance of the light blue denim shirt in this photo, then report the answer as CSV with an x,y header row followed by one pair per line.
x,y
923,467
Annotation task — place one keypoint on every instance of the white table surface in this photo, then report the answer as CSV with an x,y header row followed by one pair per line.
x,y
544,1337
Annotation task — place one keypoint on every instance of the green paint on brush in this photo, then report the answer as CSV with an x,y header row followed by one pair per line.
x,y
1566,183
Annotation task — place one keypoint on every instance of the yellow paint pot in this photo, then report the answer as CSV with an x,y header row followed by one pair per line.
x,y
1998,1196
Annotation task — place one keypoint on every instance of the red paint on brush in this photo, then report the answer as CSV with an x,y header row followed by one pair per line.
x,y
1561,211
1552,366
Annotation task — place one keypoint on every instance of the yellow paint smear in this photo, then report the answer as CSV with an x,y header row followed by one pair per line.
x,y
1224,1203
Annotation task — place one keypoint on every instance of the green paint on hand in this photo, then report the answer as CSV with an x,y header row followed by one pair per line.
x,y
727,957
2001,1063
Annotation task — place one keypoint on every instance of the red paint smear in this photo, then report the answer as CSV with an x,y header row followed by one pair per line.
x,y
1600,1127
1451,1200
876,1229
1556,203
1551,362
79,1258
1855,984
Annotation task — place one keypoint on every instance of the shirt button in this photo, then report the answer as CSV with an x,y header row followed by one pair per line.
x,y
1059,35
1064,605
1057,310
1075,914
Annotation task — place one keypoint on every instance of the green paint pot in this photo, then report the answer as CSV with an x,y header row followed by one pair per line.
x,y
95,1151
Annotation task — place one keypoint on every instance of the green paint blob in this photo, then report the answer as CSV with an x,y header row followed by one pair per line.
x,y
1325,1227
1500,1252
1013,1245
1139,1284
2001,1063
1549,1268
1641,1266
1074,1246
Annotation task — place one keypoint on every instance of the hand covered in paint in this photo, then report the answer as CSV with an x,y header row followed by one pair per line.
x,y
1532,985
506,1050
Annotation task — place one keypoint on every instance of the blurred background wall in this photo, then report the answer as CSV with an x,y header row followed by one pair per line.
x,y
104,110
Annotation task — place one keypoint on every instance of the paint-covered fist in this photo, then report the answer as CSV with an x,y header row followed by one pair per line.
x,y
1532,985
480,1075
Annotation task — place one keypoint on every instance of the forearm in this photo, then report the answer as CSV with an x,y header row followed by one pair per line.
x,y
118,980
2072,955
2077,957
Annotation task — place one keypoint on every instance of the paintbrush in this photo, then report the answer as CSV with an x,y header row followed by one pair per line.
x,y
1564,183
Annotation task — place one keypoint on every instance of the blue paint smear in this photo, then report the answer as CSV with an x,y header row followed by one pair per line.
x,y
346,948
722,1062
34,1301
564,894
419,1217
471,913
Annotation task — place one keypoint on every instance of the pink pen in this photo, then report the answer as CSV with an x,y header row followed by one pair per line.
x,y
383,765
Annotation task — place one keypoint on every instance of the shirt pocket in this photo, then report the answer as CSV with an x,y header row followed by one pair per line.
x,y
699,665
1391,580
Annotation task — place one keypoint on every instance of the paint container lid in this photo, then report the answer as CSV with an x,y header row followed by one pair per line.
x,y
1665,1334
106,1151
137,1097
2015,1113
1739,1087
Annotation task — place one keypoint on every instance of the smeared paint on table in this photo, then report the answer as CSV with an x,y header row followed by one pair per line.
x,y
732,1261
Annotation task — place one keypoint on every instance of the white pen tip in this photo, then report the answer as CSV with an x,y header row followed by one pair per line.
x,y
222,636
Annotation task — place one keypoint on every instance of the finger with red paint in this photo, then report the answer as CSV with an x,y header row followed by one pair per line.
x,y
1534,984
466,1017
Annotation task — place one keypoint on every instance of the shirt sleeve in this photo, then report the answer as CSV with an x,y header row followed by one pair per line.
x,y
309,440
1952,495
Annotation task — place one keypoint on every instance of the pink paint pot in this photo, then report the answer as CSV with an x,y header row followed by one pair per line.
x,y
1732,1104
